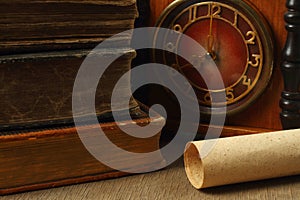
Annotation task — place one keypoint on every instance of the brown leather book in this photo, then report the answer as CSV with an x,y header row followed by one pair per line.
x,y
42,46
39,145
38,26
55,157
36,89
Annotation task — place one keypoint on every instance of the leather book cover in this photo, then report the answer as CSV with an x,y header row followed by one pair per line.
x,y
36,89
53,157
39,26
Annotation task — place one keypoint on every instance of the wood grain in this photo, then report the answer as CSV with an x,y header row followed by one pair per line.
x,y
56,157
170,184
290,101
265,112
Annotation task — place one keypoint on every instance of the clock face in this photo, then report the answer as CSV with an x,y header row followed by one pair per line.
x,y
234,35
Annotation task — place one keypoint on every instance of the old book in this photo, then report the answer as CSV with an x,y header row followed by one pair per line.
x,y
42,46
39,145
36,89
55,156
36,26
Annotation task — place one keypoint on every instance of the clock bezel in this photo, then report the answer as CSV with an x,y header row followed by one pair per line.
x,y
264,32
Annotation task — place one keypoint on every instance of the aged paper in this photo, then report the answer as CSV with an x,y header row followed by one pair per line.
x,y
238,159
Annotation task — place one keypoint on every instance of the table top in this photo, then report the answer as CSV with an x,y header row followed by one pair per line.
x,y
169,183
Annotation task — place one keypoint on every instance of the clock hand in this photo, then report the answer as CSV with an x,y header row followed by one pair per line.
x,y
210,37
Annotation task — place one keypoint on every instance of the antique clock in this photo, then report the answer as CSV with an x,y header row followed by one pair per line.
x,y
235,36
245,39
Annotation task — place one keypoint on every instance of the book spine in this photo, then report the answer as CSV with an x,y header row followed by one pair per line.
x,y
35,26
37,88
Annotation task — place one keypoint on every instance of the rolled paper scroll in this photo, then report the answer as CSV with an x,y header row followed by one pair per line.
x,y
238,159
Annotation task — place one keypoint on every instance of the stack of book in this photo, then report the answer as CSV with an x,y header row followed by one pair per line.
x,y
42,46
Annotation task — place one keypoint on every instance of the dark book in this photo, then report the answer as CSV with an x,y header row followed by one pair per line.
x,y
42,46
36,89
36,26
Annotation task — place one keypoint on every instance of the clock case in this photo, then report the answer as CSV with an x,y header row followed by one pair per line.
x,y
264,114
263,40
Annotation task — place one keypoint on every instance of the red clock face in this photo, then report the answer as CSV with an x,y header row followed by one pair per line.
x,y
228,43
235,37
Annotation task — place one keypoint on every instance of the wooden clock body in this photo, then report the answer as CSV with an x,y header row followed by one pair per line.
x,y
264,114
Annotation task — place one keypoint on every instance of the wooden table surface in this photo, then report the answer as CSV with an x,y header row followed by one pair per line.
x,y
170,183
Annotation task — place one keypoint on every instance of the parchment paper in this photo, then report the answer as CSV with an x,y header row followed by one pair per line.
x,y
238,159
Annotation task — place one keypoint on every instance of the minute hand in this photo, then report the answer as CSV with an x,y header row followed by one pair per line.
x,y
210,37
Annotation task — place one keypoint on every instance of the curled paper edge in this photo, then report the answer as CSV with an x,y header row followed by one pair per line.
x,y
243,158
